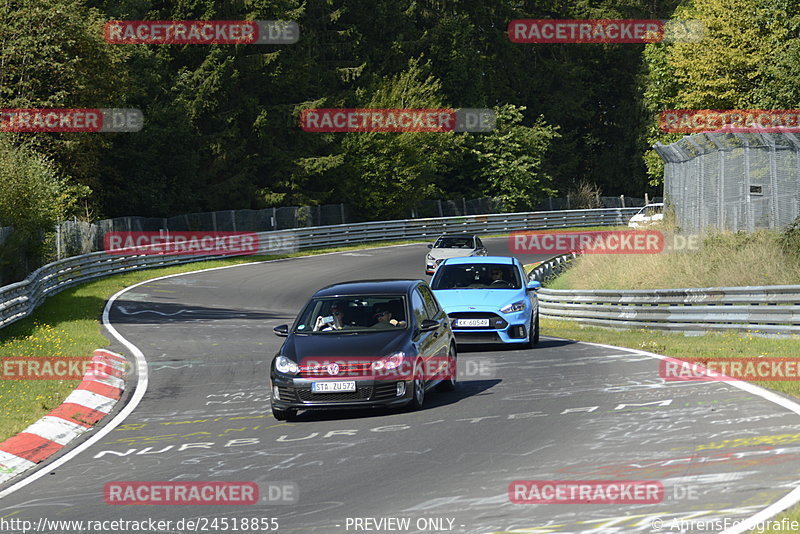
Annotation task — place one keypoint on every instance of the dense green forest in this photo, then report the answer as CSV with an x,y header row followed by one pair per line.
x,y
221,121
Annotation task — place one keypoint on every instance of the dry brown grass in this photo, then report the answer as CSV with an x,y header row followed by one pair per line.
x,y
724,259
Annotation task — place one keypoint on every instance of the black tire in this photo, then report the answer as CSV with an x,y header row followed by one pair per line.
x,y
283,415
417,388
533,332
449,384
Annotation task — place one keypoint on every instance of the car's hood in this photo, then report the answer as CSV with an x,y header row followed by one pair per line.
x,y
453,300
357,345
444,253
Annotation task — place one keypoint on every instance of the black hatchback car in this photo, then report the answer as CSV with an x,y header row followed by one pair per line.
x,y
363,344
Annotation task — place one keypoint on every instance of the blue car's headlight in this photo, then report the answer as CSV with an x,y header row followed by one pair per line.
x,y
515,307
286,366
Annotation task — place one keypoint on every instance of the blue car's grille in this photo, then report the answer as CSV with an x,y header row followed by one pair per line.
x,y
495,321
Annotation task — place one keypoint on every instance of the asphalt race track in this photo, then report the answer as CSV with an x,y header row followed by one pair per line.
x,y
562,411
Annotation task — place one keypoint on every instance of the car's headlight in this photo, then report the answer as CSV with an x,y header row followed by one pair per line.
x,y
515,307
286,366
428,257
389,363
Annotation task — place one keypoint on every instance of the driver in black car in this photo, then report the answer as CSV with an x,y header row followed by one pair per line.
x,y
337,314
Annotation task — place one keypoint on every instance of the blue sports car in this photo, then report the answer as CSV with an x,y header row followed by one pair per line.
x,y
488,300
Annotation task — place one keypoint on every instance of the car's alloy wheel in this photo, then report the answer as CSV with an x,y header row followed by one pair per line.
x,y
283,415
417,388
449,384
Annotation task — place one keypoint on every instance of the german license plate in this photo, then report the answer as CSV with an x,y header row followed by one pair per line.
x,y
472,322
333,387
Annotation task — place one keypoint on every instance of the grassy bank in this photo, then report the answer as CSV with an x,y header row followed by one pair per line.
x,y
742,259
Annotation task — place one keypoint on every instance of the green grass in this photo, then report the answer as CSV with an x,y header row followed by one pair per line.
x,y
68,325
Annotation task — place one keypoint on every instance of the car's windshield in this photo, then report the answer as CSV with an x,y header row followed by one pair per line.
x,y
476,276
454,242
366,313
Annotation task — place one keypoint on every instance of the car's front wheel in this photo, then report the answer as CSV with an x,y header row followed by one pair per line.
x,y
283,415
417,388
533,331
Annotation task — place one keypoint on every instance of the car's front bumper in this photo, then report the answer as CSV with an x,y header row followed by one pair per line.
x,y
295,393
504,328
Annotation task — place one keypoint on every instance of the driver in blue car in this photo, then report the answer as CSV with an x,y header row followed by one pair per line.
x,y
496,274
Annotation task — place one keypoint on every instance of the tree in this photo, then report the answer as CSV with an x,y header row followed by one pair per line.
x,y
508,161
33,197
388,173
53,55
748,58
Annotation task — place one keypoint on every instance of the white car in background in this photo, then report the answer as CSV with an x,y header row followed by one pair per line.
x,y
652,213
453,246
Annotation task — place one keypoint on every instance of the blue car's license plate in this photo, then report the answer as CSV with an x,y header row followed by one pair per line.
x,y
472,322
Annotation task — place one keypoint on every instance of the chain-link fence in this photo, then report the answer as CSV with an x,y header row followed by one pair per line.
x,y
455,208
78,237
732,181
622,201
5,231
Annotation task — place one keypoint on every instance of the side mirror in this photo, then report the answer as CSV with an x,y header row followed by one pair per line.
x,y
281,331
428,325
534,285
430,245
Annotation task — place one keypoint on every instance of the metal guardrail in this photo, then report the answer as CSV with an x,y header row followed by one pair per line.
x,y
758,309
764,309
551,268
20,299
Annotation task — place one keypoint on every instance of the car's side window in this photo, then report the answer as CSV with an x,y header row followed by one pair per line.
x,y
431,306
418,307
